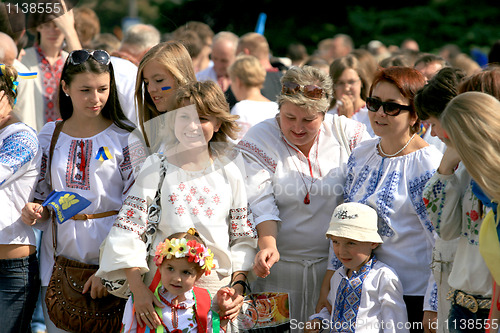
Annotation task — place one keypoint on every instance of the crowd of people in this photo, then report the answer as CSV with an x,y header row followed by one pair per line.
x,y
361,182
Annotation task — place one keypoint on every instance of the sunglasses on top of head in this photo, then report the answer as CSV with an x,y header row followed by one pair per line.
x,y
80,56
389,108
309,91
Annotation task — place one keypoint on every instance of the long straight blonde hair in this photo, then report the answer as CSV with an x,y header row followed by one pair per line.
x,y
472,123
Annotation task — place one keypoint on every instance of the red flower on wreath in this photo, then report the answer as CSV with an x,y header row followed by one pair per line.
x,y
195,249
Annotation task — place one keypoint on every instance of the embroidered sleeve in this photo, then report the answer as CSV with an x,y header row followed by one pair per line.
x,y
442,197
134,155
242,233
16,151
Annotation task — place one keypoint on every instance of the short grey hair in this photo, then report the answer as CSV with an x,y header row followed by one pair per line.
x,y
142,37
308,75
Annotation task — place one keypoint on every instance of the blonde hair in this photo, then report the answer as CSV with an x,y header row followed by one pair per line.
x,y
248,69
307,75
472,122
174,56
7,78
256,44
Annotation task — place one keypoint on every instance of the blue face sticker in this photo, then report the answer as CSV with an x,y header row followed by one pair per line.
x,y
166,88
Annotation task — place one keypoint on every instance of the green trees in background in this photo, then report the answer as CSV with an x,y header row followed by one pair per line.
x,y
432,23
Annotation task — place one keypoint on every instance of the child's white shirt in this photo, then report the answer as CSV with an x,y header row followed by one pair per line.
x,y
377,306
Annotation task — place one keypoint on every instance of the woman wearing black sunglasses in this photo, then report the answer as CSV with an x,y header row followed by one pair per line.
x,y
295,164
389,174
94,155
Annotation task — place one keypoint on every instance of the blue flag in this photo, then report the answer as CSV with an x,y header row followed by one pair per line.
x,y
66,204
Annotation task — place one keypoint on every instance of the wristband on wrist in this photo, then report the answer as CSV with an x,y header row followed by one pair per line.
x,y
244,284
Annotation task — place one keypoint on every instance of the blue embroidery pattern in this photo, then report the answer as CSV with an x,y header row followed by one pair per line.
x,y
348,298
385,200
434,298
18,149
416,187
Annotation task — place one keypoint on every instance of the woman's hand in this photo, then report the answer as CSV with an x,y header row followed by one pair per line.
x,y
144,302
430,321
144,299
32,212
268,255
66,23
449,161
97,289
346,107
324,291
264,260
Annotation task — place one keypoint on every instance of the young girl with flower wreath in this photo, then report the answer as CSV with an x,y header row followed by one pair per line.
x,y
182,259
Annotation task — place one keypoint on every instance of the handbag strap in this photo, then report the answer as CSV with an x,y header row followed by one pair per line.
x,y
53,141
154,210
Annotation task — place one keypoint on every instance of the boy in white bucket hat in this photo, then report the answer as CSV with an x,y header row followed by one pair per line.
x,y
366,294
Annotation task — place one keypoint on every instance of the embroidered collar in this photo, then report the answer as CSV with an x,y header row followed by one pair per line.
x,y
166,296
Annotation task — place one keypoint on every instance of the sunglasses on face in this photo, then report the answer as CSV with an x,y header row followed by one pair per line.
x,y
309,91
390,108
80,56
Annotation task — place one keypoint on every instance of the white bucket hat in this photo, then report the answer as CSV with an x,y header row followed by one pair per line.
x,y
355,221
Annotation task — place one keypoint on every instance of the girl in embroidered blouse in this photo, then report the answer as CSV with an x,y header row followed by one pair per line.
x,y
295,167
163,69
182,259
93,122
20,157
473,277
388,174
47,57
202,188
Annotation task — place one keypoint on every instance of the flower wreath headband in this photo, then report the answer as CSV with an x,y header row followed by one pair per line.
x,y
15,82
182,248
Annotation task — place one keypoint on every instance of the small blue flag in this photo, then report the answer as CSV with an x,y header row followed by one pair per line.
x,y
261,23
66,204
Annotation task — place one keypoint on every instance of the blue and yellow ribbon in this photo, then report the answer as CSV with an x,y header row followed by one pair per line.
x,y
103,154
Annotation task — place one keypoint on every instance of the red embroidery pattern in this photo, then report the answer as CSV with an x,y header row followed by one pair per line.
x,y
240,228
50,75
77,171
194,202
134,209
259,153
133,155
358,131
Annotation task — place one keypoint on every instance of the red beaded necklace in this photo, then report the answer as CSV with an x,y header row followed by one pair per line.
x,y
307,198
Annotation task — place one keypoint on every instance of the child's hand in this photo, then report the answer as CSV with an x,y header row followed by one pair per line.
x,y
312,326
224,296
230,303
97,289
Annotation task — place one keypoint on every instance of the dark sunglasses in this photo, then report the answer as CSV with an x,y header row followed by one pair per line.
x,y
80,56
309,91
390,108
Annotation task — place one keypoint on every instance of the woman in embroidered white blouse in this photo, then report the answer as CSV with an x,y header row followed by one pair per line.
x,y
389,174
203,188
295,166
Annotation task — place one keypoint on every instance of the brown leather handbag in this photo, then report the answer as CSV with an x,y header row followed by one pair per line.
x,y
73,311
67,307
